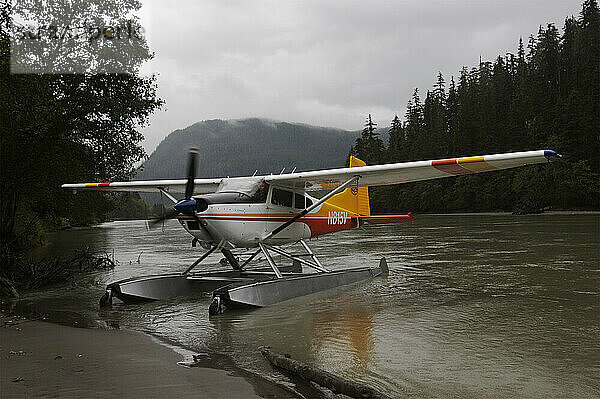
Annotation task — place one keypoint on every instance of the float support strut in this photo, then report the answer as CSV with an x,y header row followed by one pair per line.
x,y
200,259
312,255
270,260
231,259
250,258
296,258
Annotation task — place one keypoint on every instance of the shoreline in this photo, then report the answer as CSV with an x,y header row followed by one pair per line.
x,y
38,359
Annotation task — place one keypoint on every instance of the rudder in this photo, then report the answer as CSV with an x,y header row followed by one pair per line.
x,y
353,199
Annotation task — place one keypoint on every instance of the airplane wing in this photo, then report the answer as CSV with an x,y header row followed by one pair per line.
x,y
201,186
328,179
406,172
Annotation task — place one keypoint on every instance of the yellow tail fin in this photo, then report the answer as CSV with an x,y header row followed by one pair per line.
x,y
352,199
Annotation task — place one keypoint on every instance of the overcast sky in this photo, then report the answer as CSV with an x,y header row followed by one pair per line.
x,y
326,63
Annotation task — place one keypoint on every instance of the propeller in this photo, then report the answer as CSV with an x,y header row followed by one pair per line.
x,y
189,187
165,216
188,205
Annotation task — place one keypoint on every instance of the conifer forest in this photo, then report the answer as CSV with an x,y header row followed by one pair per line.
x,y
542,96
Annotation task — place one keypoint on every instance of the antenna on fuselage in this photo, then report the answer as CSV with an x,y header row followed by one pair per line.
x,y
255,172
293,170
282,170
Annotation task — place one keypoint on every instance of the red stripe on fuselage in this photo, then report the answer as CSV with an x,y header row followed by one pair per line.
x,y
249,219
318,225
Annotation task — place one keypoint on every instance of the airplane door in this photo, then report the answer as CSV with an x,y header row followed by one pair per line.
x,y
280,208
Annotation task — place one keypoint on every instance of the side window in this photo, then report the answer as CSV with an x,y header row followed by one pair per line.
x,y
308,202
298,201
261,193
282,197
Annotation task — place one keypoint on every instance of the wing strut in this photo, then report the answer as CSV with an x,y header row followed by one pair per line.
x,y
169,196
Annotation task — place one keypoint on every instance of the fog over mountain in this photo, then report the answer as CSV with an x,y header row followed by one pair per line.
x,y
238,147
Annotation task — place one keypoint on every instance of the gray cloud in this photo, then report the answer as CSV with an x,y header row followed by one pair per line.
x,y
322,62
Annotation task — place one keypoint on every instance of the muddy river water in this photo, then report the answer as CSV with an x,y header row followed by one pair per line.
x,y
475,306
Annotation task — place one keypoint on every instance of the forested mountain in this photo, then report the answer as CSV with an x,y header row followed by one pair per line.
x,y
545,95
239,147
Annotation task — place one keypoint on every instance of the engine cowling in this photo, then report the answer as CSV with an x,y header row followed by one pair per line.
x,y
203,201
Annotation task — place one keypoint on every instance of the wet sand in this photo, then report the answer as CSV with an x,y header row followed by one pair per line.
x,y
39,359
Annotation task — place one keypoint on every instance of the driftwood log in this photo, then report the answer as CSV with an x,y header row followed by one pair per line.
x,y
333,382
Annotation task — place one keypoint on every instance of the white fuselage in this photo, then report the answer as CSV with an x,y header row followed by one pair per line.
x,y
244,225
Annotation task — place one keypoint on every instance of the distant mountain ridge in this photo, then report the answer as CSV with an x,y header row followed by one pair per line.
x,y
238,147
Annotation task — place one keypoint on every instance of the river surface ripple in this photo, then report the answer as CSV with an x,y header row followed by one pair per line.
x,y
475,306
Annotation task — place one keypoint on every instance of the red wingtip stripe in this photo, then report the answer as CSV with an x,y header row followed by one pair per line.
x,y
444,162
103,184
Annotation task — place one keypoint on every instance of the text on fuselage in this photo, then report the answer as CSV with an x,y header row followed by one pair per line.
x,y
337,217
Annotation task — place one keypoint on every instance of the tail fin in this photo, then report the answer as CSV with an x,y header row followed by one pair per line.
x,y
353,199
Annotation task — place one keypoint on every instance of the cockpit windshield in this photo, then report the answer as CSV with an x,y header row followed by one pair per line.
x,y
254,188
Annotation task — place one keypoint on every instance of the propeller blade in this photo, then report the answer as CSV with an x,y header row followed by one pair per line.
x,y
189,187
167,215
202,226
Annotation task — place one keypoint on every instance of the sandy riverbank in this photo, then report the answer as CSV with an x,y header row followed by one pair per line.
x,y
39,359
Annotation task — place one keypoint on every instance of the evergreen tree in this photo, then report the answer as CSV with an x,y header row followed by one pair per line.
x,y
452,105
435,119
369,147
396,150
414,125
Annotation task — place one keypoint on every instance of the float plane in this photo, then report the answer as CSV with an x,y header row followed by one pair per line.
x,y
268,214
